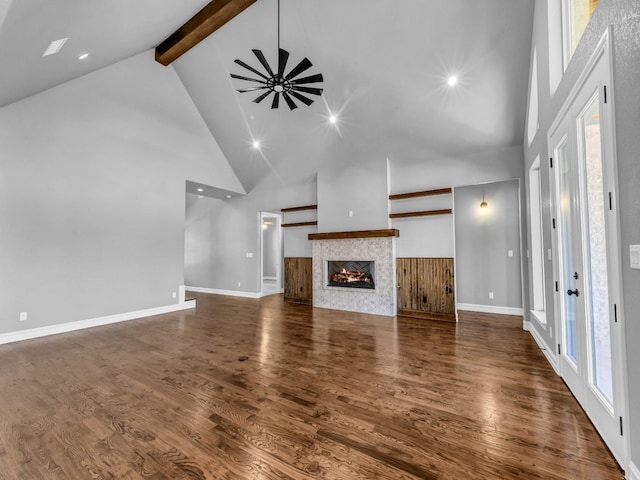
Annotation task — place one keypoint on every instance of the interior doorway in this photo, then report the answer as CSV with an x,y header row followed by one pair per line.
x,y
271,253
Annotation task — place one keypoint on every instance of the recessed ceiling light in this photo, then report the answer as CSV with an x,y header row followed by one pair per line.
x,y
452,81
256,144
228,196
84,56
54,47
333,119
201,189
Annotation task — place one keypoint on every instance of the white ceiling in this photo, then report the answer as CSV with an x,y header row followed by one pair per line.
x,y
385,66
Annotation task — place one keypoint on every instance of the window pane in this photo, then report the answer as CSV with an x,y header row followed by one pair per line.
x,y
597,244
580,12
566,235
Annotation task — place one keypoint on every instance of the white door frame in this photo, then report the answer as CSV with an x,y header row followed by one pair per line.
x,y
278,216
602,58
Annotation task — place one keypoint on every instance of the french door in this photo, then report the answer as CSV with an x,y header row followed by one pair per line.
x,y
591,350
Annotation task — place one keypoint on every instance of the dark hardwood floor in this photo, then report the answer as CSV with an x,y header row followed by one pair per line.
x,y
323,394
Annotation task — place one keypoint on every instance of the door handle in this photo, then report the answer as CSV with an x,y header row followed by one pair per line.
x,y
573,292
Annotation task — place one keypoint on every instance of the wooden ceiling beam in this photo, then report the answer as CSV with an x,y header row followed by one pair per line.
x,y
213,16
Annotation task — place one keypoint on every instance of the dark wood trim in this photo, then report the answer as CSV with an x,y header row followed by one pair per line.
x,y
424,193
298,209
213,16
421,214
389,232
299,224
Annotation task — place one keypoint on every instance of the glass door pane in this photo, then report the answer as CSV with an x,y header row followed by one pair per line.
x,y
597,273
566,237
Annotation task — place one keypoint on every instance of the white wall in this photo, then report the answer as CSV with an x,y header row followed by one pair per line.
x,y
92,183
360,189
429,236
222,232
623,16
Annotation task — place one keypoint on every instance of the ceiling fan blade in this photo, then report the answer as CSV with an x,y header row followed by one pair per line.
x,y
282,61
305,64
250,89
249,67
240,77
262,97
289,101
314,91
263,61
276,101
302,98
310,79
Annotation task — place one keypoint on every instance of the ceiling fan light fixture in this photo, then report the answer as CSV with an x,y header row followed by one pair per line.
x,y
290,86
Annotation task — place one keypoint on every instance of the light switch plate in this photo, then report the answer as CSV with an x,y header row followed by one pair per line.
x,y
634,251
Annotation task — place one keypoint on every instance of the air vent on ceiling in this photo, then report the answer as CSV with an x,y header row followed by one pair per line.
x,y
54,47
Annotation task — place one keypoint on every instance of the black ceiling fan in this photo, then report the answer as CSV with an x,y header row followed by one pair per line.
x,y
279,83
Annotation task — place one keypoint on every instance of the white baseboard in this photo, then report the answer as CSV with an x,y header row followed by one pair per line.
x,y
548,351
231,293
93,322
490,309
266,294
633,472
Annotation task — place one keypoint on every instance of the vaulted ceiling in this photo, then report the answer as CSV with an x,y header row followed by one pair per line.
x,y
385,68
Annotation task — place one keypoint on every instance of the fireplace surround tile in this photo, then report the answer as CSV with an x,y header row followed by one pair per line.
x,y
378,301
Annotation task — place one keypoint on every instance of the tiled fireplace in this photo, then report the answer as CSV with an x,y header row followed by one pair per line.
x,y
363,270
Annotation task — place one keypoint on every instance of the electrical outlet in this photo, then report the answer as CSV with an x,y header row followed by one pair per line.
x,y
351,213
491,295
249,254
174,294
23,316
509,253
238,283
634,254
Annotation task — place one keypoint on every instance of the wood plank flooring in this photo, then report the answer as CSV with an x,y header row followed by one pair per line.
x,y
323,394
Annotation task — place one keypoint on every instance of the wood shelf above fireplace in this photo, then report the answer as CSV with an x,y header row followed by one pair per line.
x,y
388,232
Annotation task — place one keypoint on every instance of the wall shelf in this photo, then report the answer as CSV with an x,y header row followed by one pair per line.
x,y
424,213
299,224
299,209
424,193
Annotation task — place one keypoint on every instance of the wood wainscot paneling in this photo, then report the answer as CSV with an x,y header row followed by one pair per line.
x,y
426,288
298,280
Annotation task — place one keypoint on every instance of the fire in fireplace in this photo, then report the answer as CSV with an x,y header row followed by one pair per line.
x,y
351,274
